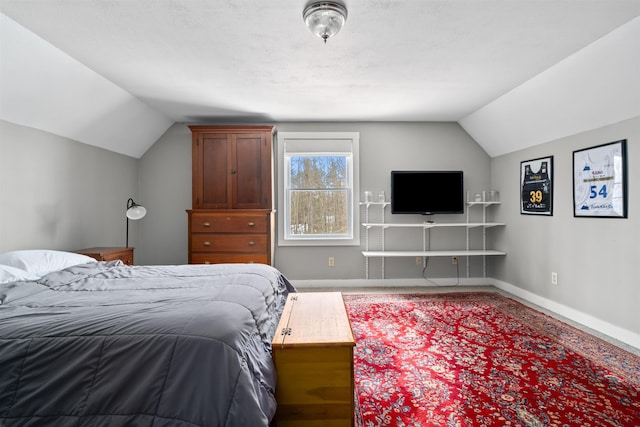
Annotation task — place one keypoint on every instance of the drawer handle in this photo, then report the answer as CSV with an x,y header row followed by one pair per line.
x,y
207,243
252,243
206,224
251,224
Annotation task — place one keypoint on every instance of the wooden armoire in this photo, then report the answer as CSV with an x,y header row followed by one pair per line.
x,y
232,216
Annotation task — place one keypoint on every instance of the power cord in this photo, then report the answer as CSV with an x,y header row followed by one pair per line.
x,y
424,270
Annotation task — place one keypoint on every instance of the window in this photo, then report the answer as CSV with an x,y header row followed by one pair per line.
x,y
318,189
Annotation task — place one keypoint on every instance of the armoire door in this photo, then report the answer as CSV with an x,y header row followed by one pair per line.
x,y
232,170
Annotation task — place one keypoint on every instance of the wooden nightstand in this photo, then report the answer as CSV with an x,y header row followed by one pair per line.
x,y
313,354
109,254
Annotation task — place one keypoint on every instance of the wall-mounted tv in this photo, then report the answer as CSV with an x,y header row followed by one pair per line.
x,y
427,192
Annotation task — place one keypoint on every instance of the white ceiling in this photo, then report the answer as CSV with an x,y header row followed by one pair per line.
x,y
118,73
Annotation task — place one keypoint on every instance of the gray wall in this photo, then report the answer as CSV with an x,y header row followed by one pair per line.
x,y
385,147
596,258
165,187
61,194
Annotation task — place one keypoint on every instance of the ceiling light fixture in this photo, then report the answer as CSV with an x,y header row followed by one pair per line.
x,y
324,18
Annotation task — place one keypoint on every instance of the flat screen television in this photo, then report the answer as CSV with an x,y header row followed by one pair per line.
x,y
427,192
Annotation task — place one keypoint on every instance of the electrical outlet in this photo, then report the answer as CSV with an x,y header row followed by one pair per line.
x,y
418,260
554,278
454,260
332,261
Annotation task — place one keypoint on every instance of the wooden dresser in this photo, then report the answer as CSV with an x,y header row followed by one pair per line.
x,y
109,254
219,236
231,219
313,355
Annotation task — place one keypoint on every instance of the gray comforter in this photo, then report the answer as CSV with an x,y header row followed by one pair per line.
x,y
103,344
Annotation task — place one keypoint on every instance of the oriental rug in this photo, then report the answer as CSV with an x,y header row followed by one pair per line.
x,y
482,359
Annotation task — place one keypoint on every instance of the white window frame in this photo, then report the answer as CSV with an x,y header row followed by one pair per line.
x,y
316,140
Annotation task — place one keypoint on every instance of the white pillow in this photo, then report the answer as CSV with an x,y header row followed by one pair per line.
x,y
40,262
11,274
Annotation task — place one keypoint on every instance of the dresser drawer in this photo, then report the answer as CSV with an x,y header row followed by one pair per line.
x,y
243,243
109,254
230,236
126,257
229,223
220,258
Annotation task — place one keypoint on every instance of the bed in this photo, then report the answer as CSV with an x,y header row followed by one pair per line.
x,y
104,344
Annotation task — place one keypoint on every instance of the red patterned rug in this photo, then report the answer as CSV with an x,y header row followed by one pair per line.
x,y
481,359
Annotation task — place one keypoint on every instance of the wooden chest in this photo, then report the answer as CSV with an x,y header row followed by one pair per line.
x,y
313,355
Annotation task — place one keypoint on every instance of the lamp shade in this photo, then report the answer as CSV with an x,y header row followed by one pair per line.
x,y
134,210
325,18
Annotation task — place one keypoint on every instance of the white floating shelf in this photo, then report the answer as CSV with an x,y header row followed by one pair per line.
x,y
432,224
389,254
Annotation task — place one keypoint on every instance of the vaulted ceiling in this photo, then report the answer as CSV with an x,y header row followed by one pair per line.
x,y
513,73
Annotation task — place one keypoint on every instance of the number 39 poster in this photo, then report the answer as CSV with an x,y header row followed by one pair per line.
x,y
600,181
536,182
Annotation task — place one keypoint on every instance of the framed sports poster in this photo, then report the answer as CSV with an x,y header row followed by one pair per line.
x,y
600,181
536,183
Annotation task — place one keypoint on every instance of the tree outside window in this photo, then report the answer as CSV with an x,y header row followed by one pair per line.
x,y
318,195
318,189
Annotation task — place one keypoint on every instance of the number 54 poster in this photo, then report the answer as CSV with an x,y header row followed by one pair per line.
x,y
600,181
536,182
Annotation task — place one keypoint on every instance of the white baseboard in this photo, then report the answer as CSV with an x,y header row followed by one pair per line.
x,y
621,334
389,283
624,335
